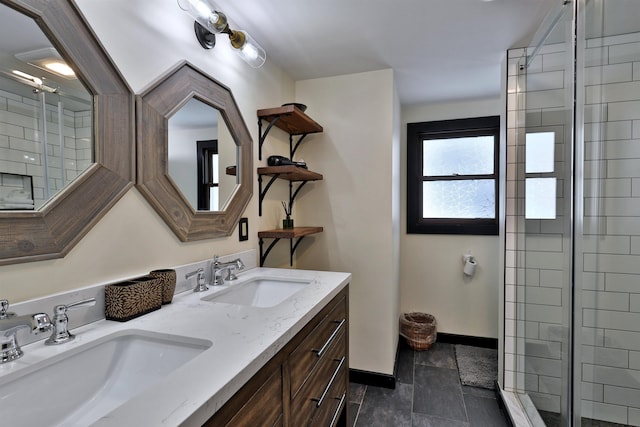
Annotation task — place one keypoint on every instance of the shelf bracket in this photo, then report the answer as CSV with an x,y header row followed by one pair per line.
x,y
263,136
293,194
263,193
292,249
292,147
263,255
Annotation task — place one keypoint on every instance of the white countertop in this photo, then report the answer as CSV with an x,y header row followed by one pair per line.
x,y
244,339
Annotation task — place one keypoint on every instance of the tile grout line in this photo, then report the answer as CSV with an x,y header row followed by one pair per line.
x,y
413,382
364,393
464,402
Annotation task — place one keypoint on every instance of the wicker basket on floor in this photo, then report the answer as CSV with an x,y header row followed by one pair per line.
x,y
419,329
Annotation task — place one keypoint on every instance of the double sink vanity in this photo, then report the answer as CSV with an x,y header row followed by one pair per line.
x,y
269,348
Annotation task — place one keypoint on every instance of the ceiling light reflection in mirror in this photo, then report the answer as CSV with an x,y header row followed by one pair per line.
x,y
45,117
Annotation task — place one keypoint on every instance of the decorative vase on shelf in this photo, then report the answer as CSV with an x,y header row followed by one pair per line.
x,y
287,223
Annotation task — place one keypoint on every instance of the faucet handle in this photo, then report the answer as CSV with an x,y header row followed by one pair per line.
x,y
89,302
4,307
200,285
60,332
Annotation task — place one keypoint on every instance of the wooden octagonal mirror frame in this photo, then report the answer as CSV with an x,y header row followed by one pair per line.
x,y
53,230
153,110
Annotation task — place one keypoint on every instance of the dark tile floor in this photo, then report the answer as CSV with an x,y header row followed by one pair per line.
x,y
428,393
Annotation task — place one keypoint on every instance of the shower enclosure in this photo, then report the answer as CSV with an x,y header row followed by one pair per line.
x,y
45,140
572,250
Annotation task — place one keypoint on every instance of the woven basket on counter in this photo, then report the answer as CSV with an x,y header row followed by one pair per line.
x,y
419,329
132,298
168,280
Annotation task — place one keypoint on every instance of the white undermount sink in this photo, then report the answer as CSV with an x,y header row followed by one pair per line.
x,y
78,387
259,291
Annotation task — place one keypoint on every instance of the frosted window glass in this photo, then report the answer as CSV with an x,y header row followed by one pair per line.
x,y
459,199
539,152
215,169
540,201
458,156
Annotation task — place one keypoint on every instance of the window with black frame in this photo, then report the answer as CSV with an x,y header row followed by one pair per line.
x,y
208,175
452,176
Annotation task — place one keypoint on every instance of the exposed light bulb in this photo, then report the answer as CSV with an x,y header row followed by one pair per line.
x,y
205,14
248,49
200,7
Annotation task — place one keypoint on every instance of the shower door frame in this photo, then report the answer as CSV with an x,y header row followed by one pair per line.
x,y
566,17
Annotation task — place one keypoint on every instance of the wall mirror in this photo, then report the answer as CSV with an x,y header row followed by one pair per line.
x,y
184,115
66,152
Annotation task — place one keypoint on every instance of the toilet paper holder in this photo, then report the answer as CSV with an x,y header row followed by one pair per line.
x,y
470,262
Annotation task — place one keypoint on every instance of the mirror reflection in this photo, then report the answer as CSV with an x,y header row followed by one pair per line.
x,y
202,156
45,117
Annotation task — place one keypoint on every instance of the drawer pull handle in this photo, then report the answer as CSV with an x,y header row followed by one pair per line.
x,y
335,414
320,352
333,378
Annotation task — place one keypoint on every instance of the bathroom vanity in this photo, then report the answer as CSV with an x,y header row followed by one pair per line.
x,y
275,359
305,381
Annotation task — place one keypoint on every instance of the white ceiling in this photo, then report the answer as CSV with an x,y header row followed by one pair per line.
x,y
440,50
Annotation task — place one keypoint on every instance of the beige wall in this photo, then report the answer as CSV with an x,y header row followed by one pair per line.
x,y
431,278
357,203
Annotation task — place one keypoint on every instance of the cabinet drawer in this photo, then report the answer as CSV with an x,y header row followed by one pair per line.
x,y
328,414
315,346
327,379
264,408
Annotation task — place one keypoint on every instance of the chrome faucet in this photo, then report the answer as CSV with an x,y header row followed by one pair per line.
x,y
10,324
201,286
218,270
59,327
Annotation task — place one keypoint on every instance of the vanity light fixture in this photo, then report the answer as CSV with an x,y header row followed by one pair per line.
x,y
209,21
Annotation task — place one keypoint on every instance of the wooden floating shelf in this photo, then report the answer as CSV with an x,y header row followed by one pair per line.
x,y
290,173
282,233
289,233
293,121
290,119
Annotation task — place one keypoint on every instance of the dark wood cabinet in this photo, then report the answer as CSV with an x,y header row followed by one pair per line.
x,y
305,384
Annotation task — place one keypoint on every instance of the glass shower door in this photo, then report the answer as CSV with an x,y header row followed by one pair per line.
x,y
66,139
607,261
544,227
572,349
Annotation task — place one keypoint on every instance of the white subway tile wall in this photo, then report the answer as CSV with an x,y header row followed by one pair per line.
x,y
21,149
540,244
608,251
